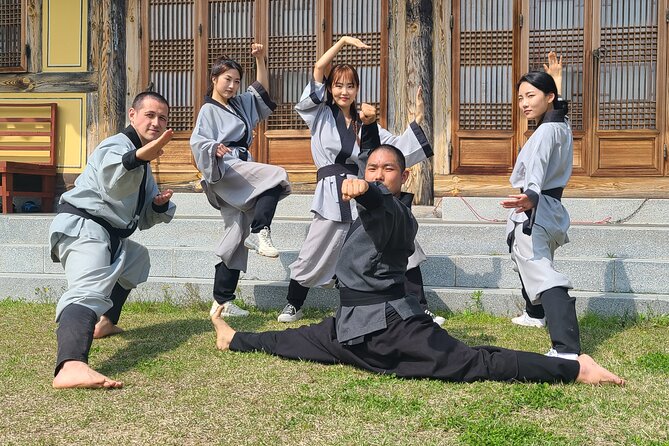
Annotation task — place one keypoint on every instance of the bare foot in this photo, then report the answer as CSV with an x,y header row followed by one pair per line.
x,y
593,373
224,332
77,374
105,327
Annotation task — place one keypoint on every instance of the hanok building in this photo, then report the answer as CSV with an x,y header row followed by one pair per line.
x,y
91,57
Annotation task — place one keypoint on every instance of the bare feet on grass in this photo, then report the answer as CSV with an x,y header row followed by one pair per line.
x,y
78,375
224,332
105,328
593,373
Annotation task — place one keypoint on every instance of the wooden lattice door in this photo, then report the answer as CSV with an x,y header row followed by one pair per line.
x,y
629,61
483,73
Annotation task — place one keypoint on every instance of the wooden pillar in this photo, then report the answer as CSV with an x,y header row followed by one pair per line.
x,y
107,58
411,58
34,35
442,86
133,52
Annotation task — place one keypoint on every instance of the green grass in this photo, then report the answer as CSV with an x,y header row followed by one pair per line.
x,y
180,390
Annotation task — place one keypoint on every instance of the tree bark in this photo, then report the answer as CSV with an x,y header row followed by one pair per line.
x,y
419,72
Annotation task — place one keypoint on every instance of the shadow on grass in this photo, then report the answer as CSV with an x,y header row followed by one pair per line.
x,y
149,342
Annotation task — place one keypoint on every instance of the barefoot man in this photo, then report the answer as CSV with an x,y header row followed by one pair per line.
x,y
115,195
379,328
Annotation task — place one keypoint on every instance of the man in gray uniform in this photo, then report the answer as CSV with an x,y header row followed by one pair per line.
x,y
377,326
115,195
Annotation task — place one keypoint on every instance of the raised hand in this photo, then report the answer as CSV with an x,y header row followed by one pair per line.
x,y
154,149
355,42
554,67
257,50
367,113
520,203
420,106
352,188
163,197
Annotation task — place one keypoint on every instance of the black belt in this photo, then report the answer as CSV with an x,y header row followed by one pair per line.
x,y
355,298
556,192
336,169
115,234
339,172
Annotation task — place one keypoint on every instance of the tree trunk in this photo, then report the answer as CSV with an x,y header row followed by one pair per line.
x,y
411,67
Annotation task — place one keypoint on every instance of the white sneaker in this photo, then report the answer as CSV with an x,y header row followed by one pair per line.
x,y
527,321
262,243
436,319
229,310
290,314
554,354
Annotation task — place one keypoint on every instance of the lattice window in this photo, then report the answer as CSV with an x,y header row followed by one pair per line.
x,y
231,33
486,49
292,53
361,19
628,65
557,25
171,55
12,35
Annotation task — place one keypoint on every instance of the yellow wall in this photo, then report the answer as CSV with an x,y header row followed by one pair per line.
x,y
70,126
65,35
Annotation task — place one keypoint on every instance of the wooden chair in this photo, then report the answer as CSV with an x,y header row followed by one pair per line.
x,y
27,150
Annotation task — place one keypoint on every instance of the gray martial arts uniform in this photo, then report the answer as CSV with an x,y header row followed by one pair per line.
x,y
111,198
542,171
335,150
109,188
234,182
380,329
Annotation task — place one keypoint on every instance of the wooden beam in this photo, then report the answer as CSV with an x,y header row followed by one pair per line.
x,y
34,35
133,52
48,83
441,104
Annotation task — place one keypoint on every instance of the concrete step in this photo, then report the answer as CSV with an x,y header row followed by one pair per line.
x,y
469,271
436,237
47,288
636,211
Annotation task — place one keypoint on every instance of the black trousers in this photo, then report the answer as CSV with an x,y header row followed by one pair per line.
x,y
265,208
225,283
411,348
74,334
413,285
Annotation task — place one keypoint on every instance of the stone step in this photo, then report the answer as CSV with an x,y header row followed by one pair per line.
x,y
582,210
589,241
468,271
47,288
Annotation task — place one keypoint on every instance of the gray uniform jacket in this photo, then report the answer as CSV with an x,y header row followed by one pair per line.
x,y
109,188
374,259
333,143
545,163
227,181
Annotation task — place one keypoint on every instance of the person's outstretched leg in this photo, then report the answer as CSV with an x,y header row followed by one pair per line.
x,y
75,335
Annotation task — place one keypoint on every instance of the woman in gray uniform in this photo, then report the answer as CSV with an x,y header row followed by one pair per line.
x,y
538,222
245,192
328,107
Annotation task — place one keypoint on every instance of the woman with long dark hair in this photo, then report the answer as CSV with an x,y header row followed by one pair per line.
x,y
329,109
245,192
538,222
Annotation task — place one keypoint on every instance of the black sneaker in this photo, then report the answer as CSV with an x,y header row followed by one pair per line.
x,y
290,314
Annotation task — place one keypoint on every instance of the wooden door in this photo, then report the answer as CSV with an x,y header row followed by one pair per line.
x,y
483,86
629,63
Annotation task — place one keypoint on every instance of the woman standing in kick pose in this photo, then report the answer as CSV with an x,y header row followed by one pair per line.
x,y
244,191
538,222
328,107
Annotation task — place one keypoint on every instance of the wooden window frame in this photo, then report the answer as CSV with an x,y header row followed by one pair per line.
x,y
23,64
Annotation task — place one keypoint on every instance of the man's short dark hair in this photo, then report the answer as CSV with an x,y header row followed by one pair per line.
x,y
139,99
398,154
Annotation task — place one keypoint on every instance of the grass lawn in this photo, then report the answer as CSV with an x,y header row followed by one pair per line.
x,y
180,390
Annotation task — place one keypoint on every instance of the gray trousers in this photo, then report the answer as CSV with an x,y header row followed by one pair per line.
x,y
90,272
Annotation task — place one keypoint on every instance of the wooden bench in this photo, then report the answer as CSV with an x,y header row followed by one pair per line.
x,y
27,153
